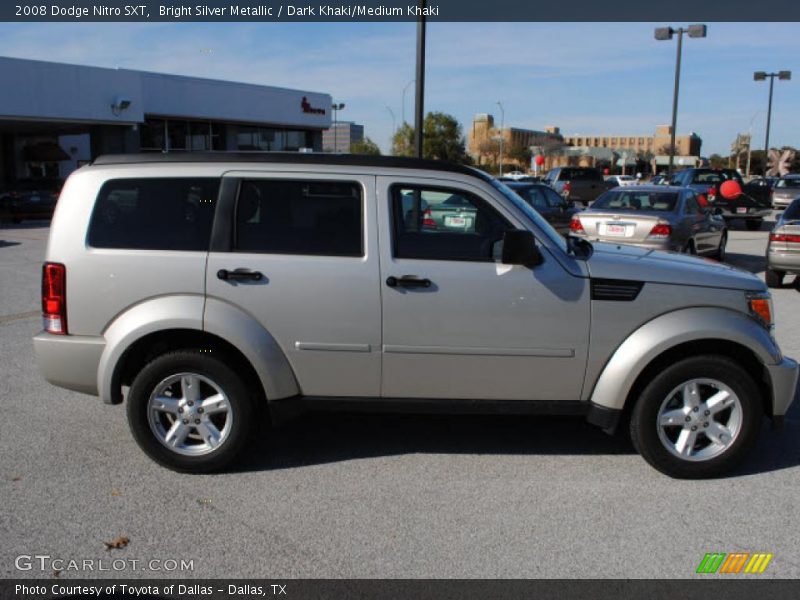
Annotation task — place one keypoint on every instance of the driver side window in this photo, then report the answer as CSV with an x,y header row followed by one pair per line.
x,y
433,223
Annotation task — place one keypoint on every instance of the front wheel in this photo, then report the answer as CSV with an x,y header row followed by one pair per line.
x,y
190,412
698,418
723,244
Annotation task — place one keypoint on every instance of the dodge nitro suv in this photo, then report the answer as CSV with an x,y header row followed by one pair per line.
x,y
199,288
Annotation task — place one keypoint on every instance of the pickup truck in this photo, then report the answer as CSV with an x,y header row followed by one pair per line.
x,y
578,184
752,206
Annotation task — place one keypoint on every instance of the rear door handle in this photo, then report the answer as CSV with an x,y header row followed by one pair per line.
x,y
409,281
239,275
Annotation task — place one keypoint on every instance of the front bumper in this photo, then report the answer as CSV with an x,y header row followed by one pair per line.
x,y
69,361
783,378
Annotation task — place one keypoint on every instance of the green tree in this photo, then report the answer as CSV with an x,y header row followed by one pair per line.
x,y
521,154
365,146
442,139
718,162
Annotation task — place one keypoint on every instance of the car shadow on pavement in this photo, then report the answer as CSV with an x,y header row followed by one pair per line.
x,y
34,224
321,438
318,438
748,262
779,449
5,244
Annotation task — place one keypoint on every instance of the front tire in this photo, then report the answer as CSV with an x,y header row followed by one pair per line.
x,y
190,412
698,418
723,244
774,278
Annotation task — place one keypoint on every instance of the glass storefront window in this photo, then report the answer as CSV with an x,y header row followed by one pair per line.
x,y
176,132
152,135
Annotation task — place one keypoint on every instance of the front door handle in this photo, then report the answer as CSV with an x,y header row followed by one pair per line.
x,y
239,275
409,281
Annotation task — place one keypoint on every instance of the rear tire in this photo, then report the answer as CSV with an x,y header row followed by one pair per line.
x,y
190,412
774,278
697,418
753,224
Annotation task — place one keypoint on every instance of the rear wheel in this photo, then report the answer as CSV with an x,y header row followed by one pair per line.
x,y
190,412
774,278
697,418
753,224
689,248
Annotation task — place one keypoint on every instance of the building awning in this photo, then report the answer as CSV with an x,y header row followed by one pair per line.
x,y
46,152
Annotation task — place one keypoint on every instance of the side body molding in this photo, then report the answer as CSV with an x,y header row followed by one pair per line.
x,y
151,316
251,339
670,330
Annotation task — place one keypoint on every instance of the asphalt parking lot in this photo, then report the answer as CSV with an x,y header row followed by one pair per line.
x,y
371,496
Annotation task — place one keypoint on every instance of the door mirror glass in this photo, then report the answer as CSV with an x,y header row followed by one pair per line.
x,y
519,248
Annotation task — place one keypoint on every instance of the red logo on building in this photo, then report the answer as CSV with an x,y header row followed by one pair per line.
x,y
307,108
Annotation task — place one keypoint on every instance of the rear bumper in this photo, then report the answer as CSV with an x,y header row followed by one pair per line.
x,y
783,261
783,378
69,361
752,213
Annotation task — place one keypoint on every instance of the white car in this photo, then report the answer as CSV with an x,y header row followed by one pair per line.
x,y
621,180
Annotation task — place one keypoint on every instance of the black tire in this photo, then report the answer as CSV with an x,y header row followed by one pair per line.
x,y
644,427
753,224
689,248
723,244
213,369
774,278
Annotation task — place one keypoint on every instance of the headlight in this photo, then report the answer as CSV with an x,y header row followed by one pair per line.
x,y
760,304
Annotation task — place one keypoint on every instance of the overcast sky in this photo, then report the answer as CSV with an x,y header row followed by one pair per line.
x,y
590,78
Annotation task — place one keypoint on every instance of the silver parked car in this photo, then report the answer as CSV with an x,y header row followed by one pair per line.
x,y
786,189
198,288
656,217
783,248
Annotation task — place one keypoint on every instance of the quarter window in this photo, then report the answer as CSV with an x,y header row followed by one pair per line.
x,y
154,214
300,217
444,224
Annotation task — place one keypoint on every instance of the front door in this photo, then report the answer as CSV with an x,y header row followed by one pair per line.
x,y
459,324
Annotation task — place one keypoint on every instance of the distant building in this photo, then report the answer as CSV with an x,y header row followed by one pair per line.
x,y
55,117
340,136
483,130
643,146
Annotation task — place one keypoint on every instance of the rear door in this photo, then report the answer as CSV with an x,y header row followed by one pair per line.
x,y
457,323
303,262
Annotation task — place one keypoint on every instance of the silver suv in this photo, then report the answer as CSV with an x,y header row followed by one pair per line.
x,y
201,288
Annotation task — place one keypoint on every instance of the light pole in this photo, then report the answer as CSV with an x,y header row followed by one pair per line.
x,y
405,89
502,135
336,107
419,95
666,33
394,121
761,76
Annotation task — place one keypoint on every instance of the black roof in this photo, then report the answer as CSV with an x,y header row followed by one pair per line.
x,y
303,158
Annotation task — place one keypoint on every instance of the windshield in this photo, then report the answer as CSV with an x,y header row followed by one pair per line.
x,y
531,214
637,200
793,212
794,182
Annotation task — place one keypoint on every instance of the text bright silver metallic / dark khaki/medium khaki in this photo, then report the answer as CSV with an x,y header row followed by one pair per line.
x,y
200,288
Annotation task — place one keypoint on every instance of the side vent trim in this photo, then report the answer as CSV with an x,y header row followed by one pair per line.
x,y
616,290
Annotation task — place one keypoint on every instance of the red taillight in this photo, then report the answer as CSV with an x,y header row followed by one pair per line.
x,y
712,193
54,298
784,237
661,230
427,219
567,187
575,225
702,200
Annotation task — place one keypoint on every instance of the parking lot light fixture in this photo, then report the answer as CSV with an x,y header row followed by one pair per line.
x,y
762,76
336,107
666,33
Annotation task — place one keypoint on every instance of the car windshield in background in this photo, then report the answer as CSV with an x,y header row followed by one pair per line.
x,y
794,182
638,200
530,213
580,175
793,212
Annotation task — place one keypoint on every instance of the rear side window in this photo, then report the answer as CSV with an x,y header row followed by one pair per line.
x,y
154,214
323,218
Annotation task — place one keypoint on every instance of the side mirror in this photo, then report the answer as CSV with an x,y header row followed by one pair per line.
x,y
519,248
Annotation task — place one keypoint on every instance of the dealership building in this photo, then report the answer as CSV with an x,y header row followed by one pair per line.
x,y
55,117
